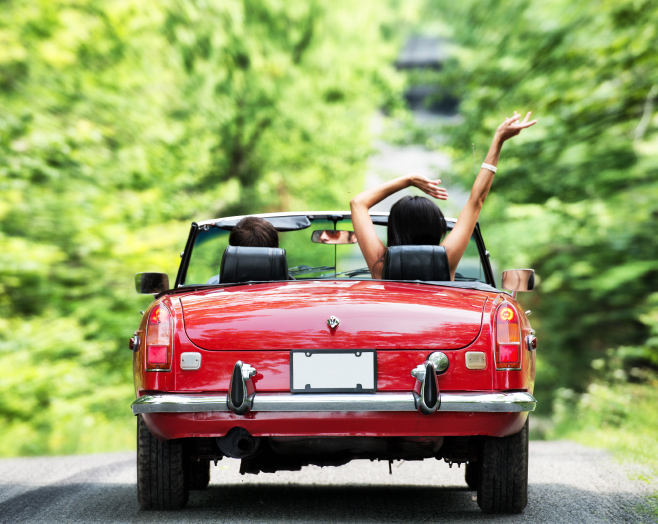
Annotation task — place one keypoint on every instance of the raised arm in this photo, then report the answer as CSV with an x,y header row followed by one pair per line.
x,y
372,248
458,239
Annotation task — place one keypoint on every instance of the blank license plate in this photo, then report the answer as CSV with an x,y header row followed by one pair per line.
x,y
339,371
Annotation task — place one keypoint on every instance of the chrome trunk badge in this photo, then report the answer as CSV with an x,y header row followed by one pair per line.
x,y
333,322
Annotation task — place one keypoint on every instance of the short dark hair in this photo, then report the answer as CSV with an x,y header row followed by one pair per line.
x,y
254,232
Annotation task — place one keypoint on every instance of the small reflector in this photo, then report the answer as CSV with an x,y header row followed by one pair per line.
x,y
476,360
157,354
508,353
190,360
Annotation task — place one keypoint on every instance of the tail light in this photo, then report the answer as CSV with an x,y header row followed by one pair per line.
x,y
508,338
158,339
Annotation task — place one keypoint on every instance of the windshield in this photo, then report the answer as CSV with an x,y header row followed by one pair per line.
x,y
307,259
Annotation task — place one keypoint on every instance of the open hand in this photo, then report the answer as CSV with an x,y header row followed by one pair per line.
x,y
429,187
512,127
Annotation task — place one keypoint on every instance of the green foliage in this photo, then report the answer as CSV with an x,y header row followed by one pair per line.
x,y
613,413
122,121
575,196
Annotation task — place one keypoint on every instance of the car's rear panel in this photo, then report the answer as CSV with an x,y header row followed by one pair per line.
x,y
405,323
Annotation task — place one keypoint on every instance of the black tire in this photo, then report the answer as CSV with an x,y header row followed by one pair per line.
x,y
503,473
161,482
472,475
199,474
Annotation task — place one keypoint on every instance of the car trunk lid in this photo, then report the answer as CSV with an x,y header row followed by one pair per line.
x,y
371,314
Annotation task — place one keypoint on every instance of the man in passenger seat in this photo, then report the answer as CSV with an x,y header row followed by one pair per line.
x,y
254,232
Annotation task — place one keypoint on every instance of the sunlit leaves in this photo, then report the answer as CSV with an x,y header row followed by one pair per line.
x,y
121,121
577,196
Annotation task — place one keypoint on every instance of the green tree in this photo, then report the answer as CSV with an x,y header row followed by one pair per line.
x,y
577,196
120,122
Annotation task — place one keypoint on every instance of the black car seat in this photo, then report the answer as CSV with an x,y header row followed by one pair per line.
x,y
427,263
258,264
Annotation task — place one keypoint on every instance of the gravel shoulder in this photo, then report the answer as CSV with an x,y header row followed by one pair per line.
x,y
568,483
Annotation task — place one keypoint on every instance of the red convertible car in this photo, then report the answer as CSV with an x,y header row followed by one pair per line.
x,y
288,357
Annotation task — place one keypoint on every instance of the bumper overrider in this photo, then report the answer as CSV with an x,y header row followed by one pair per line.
x,y
425,398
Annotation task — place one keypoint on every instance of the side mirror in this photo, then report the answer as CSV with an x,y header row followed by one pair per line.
x,y
328,236
518,280
151,283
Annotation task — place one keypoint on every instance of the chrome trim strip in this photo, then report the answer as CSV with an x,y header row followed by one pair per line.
x,y
179,403
335,402
488,402
354,402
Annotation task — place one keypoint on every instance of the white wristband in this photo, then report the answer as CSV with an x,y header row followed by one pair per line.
x,y
489,167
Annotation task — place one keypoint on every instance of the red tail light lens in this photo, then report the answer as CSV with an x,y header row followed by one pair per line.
x,y
508,338
155,317
158,339
508,353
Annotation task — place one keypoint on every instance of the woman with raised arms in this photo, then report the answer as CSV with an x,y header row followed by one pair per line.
x,y
417,220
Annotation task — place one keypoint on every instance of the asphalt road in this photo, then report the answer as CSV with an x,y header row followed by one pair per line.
x,y
568,483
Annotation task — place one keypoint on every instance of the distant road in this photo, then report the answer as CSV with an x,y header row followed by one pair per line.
x,y
390,161
569,483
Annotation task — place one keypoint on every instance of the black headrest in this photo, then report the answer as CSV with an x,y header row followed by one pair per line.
x,y
428,263
242,264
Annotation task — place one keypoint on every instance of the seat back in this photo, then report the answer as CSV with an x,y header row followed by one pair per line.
x,y
428,263
244,264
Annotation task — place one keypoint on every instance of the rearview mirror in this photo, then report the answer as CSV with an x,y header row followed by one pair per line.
x,y
328,236
518,279
151,283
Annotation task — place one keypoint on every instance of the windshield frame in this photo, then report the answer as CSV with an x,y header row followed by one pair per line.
x,y
378,217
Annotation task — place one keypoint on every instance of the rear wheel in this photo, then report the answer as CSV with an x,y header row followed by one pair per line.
x,y
503,473
472,475
161,482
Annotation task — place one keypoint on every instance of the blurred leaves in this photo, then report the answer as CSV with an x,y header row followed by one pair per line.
x,y
120,123
577,193
615,411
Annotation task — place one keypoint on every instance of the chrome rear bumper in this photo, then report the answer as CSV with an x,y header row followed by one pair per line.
x,y
347,402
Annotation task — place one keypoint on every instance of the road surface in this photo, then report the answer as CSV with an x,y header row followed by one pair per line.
x,y
390,161
568,483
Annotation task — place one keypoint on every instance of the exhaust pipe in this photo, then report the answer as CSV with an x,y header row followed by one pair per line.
x,y
238,443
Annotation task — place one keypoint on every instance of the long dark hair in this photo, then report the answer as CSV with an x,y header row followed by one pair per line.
x,y
415,221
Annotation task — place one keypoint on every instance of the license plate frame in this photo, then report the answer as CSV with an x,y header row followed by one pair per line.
x,y
326,368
